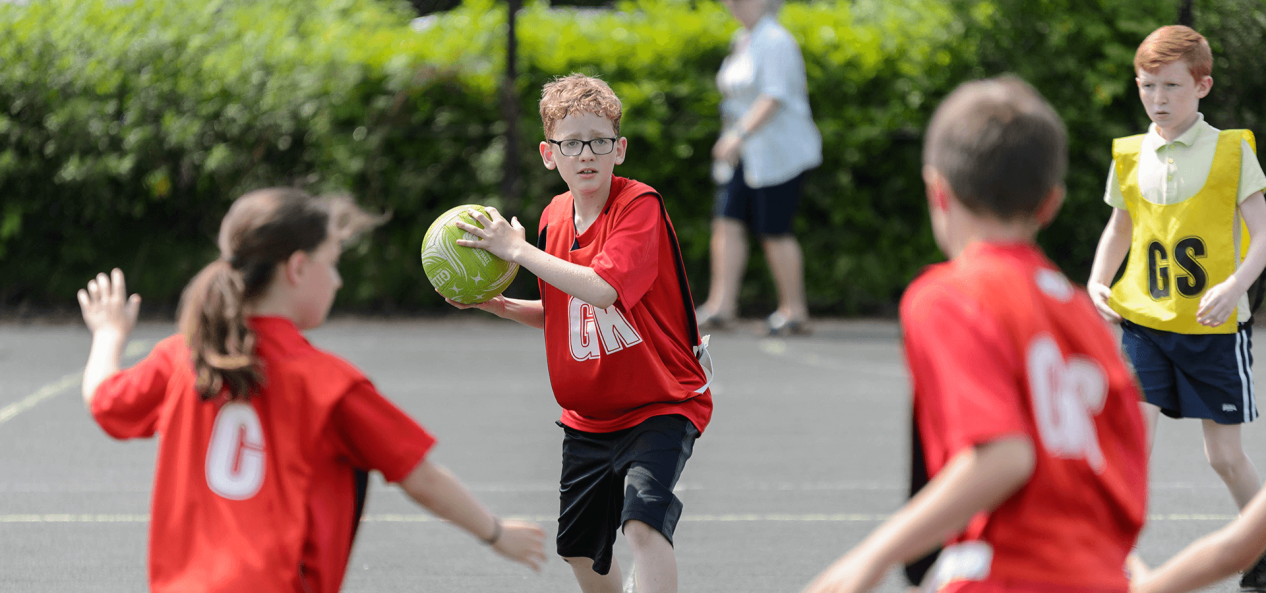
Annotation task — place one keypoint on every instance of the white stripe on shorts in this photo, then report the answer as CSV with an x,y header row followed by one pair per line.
x,y
1248,402
1248,372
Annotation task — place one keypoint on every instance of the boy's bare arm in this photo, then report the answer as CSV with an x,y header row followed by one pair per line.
x,y
529,313
1219,302
1213,557
975,480
1114,243
505,239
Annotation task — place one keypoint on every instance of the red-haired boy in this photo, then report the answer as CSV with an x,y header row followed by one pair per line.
x,y
620,338
1027,414
1178,195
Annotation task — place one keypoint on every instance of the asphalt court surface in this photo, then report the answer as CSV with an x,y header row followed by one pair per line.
x,y
806,453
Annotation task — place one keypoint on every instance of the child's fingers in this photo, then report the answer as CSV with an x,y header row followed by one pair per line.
x,y
103,286
133,307
94,290
470,228
84,302
118,286
514,222
480,217
493,214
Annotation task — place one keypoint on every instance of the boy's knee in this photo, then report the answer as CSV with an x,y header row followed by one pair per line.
x,y
1226,461
641,535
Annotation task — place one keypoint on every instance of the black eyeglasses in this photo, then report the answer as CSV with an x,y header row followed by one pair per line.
x,y
598,146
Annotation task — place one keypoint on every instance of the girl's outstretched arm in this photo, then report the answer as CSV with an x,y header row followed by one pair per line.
x,y
110,314
433,487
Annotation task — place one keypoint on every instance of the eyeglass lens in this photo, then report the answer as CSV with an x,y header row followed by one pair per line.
x,y
599,146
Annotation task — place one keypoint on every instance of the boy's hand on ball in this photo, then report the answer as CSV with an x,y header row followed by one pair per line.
x,y
106,305
1100,295
1217,305
500,237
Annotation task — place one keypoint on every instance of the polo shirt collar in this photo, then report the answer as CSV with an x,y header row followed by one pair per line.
x,y
1187,138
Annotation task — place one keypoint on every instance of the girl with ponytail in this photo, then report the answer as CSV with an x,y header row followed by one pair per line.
x,y
266,441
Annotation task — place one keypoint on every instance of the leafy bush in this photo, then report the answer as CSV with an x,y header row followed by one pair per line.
x,y
126,139
130,127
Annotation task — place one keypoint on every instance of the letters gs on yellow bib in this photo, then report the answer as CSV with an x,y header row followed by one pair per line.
x,y
1178,251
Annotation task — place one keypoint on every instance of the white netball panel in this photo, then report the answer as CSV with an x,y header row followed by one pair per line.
x,y
235,455
1066,397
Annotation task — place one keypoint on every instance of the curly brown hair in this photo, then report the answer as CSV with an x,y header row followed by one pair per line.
x,y
578,93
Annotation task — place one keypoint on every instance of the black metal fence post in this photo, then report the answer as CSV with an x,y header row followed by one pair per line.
x,y
510,113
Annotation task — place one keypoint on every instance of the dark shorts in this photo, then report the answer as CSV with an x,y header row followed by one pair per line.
x,y
1194,376
610,478
767,210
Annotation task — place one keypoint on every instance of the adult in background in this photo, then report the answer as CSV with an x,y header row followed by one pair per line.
x,y
769,141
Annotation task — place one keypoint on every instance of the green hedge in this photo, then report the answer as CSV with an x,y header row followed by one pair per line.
x,y
130,127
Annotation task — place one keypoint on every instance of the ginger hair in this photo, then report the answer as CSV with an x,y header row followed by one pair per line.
x,y
578,93
261,230
1170,44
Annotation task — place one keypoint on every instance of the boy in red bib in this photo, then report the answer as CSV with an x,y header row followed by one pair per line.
x,y
1028,416
622,344
265,441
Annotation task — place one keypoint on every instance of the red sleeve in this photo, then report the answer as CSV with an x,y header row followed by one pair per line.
x,y
373,434
128,403
964,368
629,260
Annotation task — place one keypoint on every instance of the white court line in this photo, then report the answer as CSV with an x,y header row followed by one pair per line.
x,y
7,413
425,518
778,349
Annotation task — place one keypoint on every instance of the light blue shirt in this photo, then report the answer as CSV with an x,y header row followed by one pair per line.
x,y
767,61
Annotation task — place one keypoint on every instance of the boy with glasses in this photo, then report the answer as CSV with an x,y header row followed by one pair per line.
x,y
625,359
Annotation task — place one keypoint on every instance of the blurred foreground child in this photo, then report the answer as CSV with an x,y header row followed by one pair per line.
x,y
1027,414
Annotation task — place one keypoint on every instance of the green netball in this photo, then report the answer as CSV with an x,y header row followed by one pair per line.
x,y
465,274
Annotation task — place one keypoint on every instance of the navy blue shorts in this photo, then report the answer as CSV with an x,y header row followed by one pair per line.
x,y
766,210
1194,376
612,477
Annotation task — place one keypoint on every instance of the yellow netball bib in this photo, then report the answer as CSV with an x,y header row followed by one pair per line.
x,y
1179,251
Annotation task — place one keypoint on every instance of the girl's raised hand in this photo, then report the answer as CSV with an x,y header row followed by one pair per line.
x,y
106,305
522,542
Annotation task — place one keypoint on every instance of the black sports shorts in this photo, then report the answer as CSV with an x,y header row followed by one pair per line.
x,y
609,478
768,211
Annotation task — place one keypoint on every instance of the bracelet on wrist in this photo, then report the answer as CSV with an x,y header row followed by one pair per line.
x,y
496,531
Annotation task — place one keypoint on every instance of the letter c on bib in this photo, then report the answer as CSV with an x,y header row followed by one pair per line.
x,y
235,455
